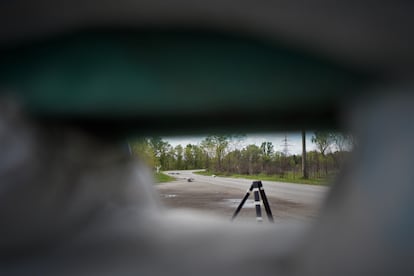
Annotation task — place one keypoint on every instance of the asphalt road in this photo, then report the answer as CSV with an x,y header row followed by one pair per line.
x,y
309,195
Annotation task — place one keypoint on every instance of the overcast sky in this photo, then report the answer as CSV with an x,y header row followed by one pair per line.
x,y
294,141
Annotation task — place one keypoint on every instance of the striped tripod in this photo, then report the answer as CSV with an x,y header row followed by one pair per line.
x,y
258,191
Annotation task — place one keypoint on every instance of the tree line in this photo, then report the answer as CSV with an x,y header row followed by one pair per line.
x,y
222,154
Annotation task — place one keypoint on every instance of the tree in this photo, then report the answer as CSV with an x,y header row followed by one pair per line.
x,y
199,157
267,154
144,151
323,141
189,158
216,146
161,150
178,157
251,156
232,161
343,142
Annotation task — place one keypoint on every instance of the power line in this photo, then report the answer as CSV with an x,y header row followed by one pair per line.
x,y
285,146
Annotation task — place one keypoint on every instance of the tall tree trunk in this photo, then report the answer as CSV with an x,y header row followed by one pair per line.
x,y
304,163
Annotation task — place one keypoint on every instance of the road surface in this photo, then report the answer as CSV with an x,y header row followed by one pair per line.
x,y
222,195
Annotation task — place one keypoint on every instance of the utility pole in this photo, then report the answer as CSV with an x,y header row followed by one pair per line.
x,y
304,164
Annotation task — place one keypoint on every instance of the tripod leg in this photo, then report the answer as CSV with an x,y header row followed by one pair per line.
x,y
257,202
265,202
242,202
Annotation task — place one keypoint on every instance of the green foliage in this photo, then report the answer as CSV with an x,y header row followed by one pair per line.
x,y
323,141
161,177
158,153
215,154
216,146
289,177
194,157
251,157
144,150
162,151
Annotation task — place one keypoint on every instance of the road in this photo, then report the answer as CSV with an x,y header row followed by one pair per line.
x,y
221,195
298,193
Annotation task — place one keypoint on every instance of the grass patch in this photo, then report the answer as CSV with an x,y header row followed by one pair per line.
x,y
204,172
161,177
288,177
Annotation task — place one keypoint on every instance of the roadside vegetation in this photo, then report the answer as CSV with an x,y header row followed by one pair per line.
x,y
289,178
161,177
220,155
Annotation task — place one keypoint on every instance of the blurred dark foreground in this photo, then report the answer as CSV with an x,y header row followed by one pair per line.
x,y
74,204
77,77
